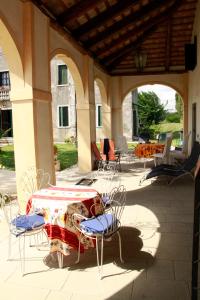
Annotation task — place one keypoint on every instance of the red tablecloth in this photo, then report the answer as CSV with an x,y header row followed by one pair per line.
x,y
147,150
58,205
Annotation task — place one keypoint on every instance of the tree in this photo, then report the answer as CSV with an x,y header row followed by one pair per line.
x,y
150,110
179,105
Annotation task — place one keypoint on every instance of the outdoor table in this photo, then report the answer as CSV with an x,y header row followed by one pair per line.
x,y
58,204
147,150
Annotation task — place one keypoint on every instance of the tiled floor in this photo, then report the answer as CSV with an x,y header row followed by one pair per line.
x,y
157,242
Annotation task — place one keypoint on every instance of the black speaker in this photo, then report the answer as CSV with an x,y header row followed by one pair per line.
x,y
190,56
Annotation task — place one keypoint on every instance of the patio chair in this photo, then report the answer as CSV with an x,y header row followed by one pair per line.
x,y
20,226
181,154
108,154
33,179
100,158
107,180
122,148
174,171
102,227
164,157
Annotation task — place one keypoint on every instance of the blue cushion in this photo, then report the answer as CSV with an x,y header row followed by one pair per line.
x,y
25,223
106,199
98,225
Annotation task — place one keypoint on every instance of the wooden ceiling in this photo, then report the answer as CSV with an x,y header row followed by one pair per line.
x,y
113,32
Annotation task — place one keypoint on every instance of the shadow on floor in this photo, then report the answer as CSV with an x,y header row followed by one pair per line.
x,y
134,258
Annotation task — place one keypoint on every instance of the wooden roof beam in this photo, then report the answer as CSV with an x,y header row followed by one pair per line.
x,y
77,10
168,44
134,32
136,16
109,13
112,60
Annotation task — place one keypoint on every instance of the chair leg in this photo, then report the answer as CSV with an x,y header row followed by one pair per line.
x,y
79,249
60,259
120,247
101,271
97,251
9,247
22,253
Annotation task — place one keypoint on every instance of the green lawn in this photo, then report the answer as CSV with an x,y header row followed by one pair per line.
x,y
67,154
7,157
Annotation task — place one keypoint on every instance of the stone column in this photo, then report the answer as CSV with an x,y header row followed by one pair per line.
x,y
116,96
32,116
86,125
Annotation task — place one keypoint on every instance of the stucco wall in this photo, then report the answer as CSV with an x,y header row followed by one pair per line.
x,y
62,95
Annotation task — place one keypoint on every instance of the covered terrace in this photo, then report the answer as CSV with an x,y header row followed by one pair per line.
x,y
100,41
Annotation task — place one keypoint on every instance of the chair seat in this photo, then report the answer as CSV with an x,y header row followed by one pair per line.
x,y
106,199
25,223
158,155
98,225
178,154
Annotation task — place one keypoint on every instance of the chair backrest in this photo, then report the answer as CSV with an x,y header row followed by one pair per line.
x,y
109,222
185,143
107,178
118,200
121,144
111,152
32,180
191,161
168,142
9,207
95,151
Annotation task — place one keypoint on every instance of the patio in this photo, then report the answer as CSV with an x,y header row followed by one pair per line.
x,y
157,246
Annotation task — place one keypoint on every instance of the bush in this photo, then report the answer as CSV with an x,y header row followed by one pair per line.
x,y
173,117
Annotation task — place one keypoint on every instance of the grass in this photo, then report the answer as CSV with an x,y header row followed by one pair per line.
x,y
167,127
67,154
7,157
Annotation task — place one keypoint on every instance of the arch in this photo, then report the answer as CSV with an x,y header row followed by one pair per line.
x,y
102,90
74,70
106,109
13,59
146,82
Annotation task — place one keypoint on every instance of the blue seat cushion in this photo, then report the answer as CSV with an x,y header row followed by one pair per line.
x,y
106,199
98,225
25,223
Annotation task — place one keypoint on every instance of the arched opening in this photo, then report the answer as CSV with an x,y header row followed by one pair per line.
x,y
103,115
67,95
171,120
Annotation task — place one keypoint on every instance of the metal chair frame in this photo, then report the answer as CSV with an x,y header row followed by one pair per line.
x,y
11,211
115,209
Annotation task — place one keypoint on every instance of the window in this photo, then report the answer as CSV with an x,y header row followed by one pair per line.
x,y
99,115
63,116
4,79
62,75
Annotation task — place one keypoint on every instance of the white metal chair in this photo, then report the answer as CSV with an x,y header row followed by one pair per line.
x,y
107,178
182,154
104,226
164,157
20,226
122,147
33,179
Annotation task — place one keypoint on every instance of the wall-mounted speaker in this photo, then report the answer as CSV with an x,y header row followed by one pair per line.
x,y
191,56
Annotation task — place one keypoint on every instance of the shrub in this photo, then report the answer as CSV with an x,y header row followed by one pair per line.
x,y
173,117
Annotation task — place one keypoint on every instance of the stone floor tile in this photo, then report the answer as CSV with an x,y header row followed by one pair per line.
x,y
53,295
161,269
160,289
183,270
15,291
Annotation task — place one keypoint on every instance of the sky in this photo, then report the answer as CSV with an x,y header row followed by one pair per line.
x,y
165,93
